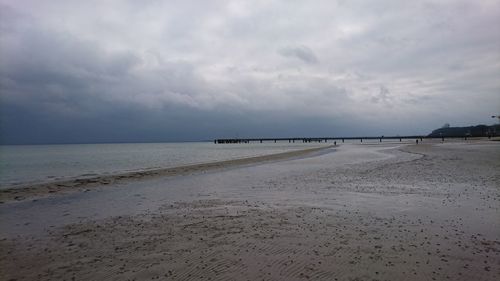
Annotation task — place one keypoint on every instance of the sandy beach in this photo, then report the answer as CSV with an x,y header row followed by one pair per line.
x,y
352,212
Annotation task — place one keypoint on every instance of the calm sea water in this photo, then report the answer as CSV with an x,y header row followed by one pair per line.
x,y
24,164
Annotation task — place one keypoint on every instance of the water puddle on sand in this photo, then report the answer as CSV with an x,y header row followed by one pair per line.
x,y
123,199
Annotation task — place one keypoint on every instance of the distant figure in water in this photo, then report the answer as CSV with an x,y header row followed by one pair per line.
x,y
417,141
334,143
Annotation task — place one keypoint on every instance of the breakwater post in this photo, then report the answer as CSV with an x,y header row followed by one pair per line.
x,y
343,139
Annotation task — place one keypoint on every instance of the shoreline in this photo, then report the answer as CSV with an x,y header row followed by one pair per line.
x,y
411,212
38,190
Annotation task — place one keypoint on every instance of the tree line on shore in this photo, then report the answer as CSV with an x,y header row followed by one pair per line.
x,y
472,131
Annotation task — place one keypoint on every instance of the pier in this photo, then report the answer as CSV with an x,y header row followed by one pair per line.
x,y
335,139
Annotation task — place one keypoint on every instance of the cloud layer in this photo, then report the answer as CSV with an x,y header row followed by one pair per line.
x,y
85,71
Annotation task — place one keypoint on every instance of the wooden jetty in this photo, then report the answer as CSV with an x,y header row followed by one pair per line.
x,y
334,139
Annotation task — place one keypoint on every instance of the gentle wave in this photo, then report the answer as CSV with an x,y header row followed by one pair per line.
x,y
41,189
21,165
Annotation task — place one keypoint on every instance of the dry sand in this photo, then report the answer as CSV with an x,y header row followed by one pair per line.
x,y
419,212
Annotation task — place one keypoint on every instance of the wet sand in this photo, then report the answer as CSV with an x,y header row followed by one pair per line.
x,y
34,191
362,212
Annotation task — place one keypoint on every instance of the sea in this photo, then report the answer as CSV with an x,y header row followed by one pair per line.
x,y
22,165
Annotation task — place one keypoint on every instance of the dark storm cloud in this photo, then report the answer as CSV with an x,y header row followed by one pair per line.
x,y
303,53
83,71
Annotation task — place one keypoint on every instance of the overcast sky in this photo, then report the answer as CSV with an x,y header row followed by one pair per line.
x,y
118,71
